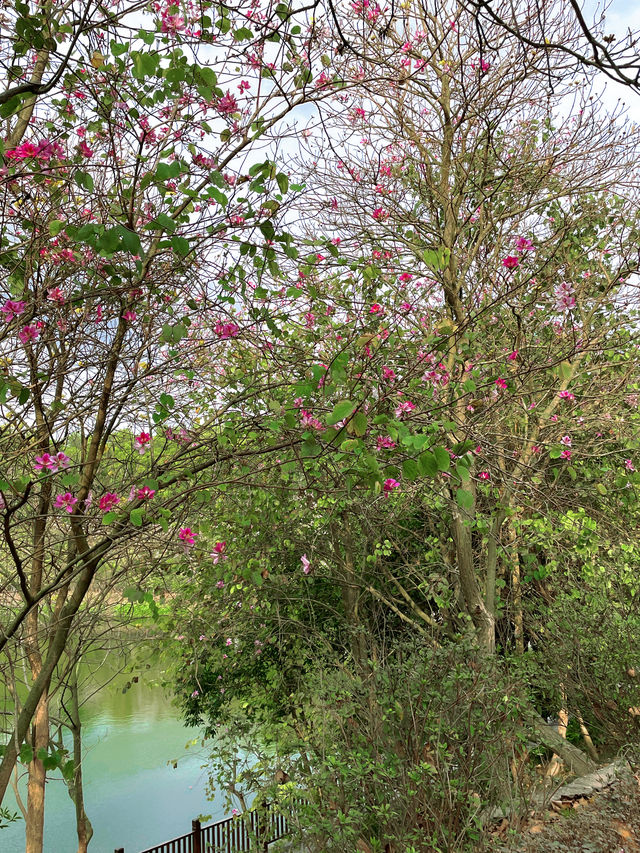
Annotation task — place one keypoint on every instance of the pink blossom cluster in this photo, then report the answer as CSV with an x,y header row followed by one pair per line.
x,y
565,300
46,462
307,420
65,501
404,408
226,330
44,150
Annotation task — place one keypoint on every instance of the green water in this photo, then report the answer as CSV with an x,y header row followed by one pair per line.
x,y
133,798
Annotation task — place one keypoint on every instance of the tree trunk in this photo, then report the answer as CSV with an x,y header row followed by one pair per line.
x,y
516,589
483,621
37,778
577,762
84,829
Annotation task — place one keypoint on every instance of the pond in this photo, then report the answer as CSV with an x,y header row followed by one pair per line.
x,y
133,796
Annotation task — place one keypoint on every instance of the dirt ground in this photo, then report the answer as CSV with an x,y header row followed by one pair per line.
x,y
607,822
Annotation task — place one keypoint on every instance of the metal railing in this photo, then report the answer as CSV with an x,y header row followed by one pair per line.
x,y
248,833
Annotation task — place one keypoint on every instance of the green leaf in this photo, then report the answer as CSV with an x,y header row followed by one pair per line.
x,y
442,458
283,182
340,411
601,489
136,516
242,34
84,180
11,106
410,469
428,464
464,498
462,472
181,246
555,452
359,423
109,517
26,753
56,226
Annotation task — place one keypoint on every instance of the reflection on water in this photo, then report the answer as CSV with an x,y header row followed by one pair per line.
x,y
133,798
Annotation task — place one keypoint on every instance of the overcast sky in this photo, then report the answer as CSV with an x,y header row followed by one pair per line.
x,y
620,16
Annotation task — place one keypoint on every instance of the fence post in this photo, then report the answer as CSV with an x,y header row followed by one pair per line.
x,y
197,836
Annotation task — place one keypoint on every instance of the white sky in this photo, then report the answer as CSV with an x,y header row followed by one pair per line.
x,y
620,16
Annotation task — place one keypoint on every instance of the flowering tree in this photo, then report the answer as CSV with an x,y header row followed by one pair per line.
x,y
135,161
470,305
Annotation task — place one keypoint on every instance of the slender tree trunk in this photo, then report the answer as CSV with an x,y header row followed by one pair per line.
x,y
516,590
593,752
37,778
84,829
492,560
483,621
563,721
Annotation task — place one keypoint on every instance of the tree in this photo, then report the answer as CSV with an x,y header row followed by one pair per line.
x,y
124,193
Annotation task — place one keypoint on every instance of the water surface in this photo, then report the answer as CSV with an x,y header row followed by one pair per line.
x,y
133,797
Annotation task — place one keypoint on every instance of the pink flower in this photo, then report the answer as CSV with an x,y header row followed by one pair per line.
x,y
62,460
145,493
566,454
388,374
513,355
380,214
566,440
28,334
12,309
22,152
307,420
536,449
187,536
229,641
389,485
46,462
565,300
501,383
141,441
310,320
628,464
54,294
84,149
108,501
404,407
567,395
227,104
172,23
218,553
195,694
130,316
52,463
484,475
376,309
523,244
405,276
306,564
386,441
226,330
220,584
510,262
65,501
